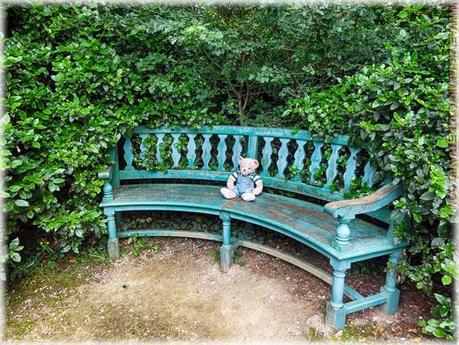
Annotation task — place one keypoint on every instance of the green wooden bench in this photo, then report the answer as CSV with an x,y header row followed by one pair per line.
x,y
311,171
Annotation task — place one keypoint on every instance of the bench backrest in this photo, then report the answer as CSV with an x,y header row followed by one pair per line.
x,y
290,160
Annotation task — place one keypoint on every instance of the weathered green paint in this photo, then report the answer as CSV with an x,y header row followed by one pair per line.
x,y
237,151
206,151
299,219
316,159
226,257
369,173
273,182
332,230
299,159
366,302
221,157
143,147
282,159
350,208
343,234
266,156
113,249
128,155
226,220
390,288
335,318
108,191
169,233
191,154
239,130
175,151
349,174
332,169
252,146
159,144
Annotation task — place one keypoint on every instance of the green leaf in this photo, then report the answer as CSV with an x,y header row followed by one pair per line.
x,y
427,196
14,243
442,142
439,333
16,257
446,279
52,187
446,211
21,203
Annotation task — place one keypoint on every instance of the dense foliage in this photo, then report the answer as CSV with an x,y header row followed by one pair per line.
x,y
79,76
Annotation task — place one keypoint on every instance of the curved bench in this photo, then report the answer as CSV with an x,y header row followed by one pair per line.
x,y
307,168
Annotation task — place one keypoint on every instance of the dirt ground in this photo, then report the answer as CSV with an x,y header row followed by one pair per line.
x,y
176,291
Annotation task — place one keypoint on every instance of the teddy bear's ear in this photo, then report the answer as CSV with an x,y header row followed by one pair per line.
x,y
240,159
256,164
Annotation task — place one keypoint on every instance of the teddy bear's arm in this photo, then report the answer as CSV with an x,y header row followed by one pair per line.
x,y
258,185
230,183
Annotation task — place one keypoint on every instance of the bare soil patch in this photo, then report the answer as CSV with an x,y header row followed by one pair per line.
x,y
179,293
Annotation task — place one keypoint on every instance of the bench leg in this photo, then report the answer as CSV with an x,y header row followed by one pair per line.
x,y
112,243
335,313
390,288
227,249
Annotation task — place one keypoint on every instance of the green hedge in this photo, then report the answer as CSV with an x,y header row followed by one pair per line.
x,y
77,77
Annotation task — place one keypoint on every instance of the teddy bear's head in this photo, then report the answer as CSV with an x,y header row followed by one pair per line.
x,y
248,165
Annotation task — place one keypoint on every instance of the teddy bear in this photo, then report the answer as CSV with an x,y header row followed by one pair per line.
x,y
244,183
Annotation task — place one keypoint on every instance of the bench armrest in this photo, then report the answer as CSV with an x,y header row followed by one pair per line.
x,y
106,174
350,208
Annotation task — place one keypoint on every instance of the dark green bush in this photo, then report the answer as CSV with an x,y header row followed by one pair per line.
x,y
77,77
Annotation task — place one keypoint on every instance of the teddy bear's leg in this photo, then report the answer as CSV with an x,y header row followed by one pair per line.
x,y
228,193
249,196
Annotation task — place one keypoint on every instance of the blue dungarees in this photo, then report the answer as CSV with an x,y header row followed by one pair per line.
x,y
244,184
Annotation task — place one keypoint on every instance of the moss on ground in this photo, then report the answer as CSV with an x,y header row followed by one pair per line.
x,y
238,258
45,286
368,332
360,333
21,326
